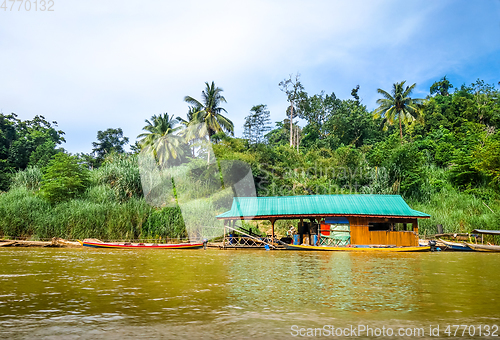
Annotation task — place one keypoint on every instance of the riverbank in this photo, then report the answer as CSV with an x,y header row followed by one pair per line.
x,y
54,243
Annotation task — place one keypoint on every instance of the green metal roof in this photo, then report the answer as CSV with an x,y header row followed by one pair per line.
x,y
332,205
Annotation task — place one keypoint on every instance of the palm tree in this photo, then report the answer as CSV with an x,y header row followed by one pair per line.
x,y
193,128
208,111
398,105
160,137
192,115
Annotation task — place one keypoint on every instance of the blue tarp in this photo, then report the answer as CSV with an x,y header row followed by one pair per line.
x,y
336,220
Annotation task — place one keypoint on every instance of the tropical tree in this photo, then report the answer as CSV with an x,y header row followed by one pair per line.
x,y
160,137
257,124
64,178
193,127
208,111
192,115
398,105
441,87
111,140
26,143
296,96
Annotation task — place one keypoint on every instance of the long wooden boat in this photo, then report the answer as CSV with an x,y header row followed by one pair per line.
x,y
358,248
484,247
128,245
456,246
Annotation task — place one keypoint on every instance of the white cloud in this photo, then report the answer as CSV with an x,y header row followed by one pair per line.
x,y
93,65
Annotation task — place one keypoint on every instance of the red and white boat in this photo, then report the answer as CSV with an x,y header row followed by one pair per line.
x,y
129,245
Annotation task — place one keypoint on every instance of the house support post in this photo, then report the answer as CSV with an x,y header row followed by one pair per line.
x,y
414,225
272,233
224,239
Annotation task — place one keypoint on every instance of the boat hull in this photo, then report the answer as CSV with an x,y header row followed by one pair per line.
x,y
484,247
359,249
141,246
456,246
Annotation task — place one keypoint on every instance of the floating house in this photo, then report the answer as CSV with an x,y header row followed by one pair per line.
x,y
335,220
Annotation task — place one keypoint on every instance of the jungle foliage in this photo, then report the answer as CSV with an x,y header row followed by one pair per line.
x,y
444,160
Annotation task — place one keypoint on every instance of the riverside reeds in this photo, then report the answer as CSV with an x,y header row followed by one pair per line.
x,y
113,206
23,214
457,212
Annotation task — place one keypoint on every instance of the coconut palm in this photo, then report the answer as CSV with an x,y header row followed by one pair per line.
x,y
193,129
398,105
208,111
160,137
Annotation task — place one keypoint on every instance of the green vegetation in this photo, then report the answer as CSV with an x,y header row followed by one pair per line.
x,y
398,105
208,111
108,141
25,143
442,154
64,179
257,124
111,207
160,137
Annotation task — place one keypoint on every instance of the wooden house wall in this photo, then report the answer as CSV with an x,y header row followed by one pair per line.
x,y
361,235
359,230
396,238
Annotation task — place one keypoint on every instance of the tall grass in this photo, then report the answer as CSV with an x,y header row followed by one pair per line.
x,y
23,214
111,208
120,173
457,212
30,178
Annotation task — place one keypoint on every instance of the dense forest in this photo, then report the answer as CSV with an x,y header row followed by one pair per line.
x,y
441,153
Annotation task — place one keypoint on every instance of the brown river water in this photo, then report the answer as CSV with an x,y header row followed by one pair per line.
x,y
214,294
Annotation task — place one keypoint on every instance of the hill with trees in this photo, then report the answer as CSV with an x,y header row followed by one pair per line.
x,y
441,153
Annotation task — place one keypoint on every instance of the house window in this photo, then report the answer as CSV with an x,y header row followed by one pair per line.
x,y
380,227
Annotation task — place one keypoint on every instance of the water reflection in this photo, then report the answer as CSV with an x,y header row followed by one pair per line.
x,y
237,293
349,284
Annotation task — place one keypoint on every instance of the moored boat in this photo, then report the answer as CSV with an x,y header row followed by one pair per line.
x,y
128,245
488,246
359,248
456,246
484,247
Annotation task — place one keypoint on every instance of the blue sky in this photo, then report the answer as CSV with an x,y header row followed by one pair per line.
x,y
92,65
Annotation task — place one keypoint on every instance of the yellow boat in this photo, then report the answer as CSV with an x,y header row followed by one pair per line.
x,y
358,248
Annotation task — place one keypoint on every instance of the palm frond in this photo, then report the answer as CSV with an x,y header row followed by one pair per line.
x,y
385,94
192,101
208,112
398,105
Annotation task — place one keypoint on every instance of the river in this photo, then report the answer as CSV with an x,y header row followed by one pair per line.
x,y
213,294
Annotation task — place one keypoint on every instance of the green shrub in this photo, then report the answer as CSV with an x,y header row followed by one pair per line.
x,y
121,173
63,179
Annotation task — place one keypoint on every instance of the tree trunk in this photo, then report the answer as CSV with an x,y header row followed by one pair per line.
x,y
400,129
208,147
291,124
297,140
